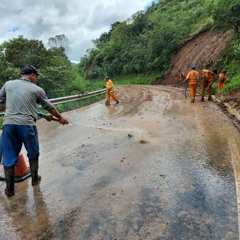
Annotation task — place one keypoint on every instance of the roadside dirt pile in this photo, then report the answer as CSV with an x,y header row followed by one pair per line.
x,y
204,50
230,104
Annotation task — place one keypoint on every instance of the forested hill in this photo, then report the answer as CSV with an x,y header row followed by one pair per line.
x,y
147,42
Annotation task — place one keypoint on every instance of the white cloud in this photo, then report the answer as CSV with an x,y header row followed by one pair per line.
x,y
79,20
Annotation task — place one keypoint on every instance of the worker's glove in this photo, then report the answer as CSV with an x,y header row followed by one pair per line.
x,y
103,86
48,117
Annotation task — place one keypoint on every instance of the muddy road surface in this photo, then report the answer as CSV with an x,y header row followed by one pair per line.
x,y
155,166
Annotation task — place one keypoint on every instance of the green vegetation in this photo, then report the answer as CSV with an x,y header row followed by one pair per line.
x,y
60,77
75,104
144,44
135,51
135,79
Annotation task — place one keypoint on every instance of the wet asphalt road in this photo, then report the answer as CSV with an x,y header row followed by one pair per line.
x,y
153,167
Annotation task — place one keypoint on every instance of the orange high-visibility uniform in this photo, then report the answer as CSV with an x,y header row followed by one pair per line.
x,y
208,79
222,79
193,78
110,91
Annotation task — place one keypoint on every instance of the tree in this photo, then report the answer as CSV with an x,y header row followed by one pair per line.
x,y
139,23
57,70
59,41
226,15
99,42
7,70
21,51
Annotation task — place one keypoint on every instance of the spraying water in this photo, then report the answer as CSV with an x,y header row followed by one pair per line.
x,y
136,132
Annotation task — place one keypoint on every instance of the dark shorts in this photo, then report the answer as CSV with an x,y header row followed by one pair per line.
x,y
13,137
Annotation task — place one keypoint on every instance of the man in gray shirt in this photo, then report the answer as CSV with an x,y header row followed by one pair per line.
x,y
22,98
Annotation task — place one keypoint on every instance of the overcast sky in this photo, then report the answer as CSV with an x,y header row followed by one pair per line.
x,y
79,20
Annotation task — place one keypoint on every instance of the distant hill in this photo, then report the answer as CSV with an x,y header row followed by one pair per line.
x,y
167,39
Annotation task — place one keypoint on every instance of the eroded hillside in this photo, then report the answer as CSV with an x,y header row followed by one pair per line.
x,y
202,50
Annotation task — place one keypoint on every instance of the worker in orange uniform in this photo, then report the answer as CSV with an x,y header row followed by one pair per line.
x,y
110,91
222,80
182,77
207,82
193,79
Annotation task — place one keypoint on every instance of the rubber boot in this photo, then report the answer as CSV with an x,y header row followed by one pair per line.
x,y
9,177
34,171
202,99
107,103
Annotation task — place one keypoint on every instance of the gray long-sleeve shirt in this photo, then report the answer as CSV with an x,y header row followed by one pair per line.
x,y
22,99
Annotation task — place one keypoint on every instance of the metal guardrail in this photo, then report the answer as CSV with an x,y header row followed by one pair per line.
x,y
56,101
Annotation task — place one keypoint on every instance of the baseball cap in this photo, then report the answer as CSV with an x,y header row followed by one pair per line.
x,y
194,67
29,69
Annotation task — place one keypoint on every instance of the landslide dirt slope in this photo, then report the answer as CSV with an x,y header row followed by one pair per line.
x,y
202,50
